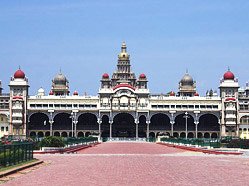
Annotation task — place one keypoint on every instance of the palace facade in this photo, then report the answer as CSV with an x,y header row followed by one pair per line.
x,y
124,107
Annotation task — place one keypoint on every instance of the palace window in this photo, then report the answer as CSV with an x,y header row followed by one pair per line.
x,y
209,106
215,106
203,106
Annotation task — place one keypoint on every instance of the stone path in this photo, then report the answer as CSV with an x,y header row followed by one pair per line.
x,y
120,163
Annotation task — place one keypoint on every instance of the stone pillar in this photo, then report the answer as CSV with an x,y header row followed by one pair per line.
x,y
196,128
51,121
223,130
148,129
172,127
196,122
51,127
172,121
75,128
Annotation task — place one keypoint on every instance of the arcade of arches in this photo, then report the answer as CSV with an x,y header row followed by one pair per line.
x,y
124,125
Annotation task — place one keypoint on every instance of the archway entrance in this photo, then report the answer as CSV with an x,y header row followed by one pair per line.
x,y
62,121
160,122
105,126
87,121
208,122
39,121
123,126
142,126
180,123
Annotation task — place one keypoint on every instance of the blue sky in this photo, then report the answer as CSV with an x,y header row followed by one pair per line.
x,y
164,38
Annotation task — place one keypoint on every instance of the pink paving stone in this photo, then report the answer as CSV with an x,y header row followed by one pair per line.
x,y
129,148
137,164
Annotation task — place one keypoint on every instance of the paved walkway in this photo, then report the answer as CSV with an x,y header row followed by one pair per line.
x,y
137,164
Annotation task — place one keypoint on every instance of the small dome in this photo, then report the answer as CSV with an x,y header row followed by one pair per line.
x,y
172,93
187,80
19,74
51,93
105,76
60,79
228,75
41,92
196,94
75,93
142,76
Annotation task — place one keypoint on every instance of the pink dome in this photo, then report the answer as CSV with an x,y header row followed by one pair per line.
x,y
105,76
51,93
172,93
228,75
19,74
142,76
75,93
196,94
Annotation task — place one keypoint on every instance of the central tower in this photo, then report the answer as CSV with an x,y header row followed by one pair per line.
x,y
123,74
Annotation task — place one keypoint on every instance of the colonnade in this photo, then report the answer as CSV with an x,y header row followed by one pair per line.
x,y
172,116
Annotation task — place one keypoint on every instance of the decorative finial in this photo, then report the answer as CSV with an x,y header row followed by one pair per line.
x,y
123,48
186,70
60,70
19,67
228,68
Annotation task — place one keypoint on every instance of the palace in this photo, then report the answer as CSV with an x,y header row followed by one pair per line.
x,y
124,107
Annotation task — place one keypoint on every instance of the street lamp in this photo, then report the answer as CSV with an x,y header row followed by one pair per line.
x,y
186,124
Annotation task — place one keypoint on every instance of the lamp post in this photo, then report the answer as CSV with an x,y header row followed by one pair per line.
x,y
186,124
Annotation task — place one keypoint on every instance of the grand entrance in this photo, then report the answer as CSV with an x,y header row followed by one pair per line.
x,y
123,126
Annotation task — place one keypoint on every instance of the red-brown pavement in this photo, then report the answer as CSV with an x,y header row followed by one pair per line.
x,y
123,163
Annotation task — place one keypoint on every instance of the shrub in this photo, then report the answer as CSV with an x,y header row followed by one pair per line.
x,y
239,143
52,141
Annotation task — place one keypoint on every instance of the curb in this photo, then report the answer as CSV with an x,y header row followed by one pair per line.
x,y
14,170
201,150
68,150
81,148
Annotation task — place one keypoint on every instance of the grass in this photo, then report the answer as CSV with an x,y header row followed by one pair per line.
x,y
17,165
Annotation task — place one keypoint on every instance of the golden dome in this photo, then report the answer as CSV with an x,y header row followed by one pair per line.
x,y
123,54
